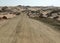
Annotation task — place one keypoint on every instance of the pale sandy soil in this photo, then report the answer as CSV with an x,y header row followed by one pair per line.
x,y
25,30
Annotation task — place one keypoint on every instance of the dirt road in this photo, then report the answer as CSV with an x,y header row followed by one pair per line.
x,y
25,30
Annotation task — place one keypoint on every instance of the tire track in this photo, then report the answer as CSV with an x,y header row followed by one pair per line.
x,y
25,30
7,32
46,32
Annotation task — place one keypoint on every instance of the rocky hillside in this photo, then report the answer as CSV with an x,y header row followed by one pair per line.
x,y
45,12
35,11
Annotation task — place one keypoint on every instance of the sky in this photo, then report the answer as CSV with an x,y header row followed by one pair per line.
x,y
30,2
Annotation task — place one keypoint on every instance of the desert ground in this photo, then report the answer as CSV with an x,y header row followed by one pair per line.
x,y
23,29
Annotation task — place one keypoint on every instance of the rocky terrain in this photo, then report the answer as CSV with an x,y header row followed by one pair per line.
x,y
26,24
45,12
